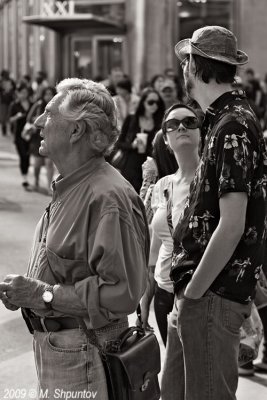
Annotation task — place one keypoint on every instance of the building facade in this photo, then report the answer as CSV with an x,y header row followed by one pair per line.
x,y
86,38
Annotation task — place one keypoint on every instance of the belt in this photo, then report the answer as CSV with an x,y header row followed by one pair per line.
x,y
49,324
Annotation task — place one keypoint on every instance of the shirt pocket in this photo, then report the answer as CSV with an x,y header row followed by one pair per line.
x,y
66,270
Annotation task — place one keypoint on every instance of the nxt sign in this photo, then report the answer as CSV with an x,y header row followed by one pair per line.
x,y
55,8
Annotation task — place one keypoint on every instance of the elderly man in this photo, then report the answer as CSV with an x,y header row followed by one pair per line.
x,y
219,241
87,269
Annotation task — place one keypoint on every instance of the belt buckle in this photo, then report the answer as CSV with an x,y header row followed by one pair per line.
x,y
42,321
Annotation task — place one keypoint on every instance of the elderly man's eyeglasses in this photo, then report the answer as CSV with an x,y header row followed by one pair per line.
x,y
172,125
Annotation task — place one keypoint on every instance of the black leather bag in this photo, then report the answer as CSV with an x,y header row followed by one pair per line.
x,y
132,364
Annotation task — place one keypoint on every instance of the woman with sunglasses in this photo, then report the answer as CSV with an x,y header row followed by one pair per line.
x,y
146,120
181,133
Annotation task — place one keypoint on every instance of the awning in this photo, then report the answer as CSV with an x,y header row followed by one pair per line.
x,y
73,21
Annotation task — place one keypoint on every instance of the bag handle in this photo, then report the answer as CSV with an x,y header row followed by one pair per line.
x,y
129,332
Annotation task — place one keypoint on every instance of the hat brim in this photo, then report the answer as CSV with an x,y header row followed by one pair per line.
x,y
186,47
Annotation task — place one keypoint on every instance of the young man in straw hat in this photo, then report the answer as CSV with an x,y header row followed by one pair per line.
x,y
219,241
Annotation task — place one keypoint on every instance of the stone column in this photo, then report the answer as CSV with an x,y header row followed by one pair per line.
x,y
14,46
24,40
5,37
135,21
152,31
160,36
252,34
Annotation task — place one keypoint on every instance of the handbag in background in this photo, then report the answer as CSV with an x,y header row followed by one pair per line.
x,y
251,333
28,131
119,159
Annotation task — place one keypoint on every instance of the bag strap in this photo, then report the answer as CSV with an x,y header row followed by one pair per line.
x,y
90,335
168,197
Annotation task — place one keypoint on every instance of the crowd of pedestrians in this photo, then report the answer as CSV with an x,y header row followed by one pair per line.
x,y
192,149
20,104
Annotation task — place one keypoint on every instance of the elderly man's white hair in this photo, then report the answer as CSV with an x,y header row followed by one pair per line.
x,y
90,102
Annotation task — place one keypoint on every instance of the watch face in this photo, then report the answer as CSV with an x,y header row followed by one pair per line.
x,y
47,296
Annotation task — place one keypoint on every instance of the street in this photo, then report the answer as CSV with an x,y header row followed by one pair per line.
x,y
19,213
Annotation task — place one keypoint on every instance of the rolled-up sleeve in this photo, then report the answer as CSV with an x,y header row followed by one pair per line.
x,y
117,258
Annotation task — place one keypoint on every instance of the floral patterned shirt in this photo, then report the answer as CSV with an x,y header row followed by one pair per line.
x,y
233,160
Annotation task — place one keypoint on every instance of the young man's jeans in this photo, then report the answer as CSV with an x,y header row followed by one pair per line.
x,y
68,365
202,349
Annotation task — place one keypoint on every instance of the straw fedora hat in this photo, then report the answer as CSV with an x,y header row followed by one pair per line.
x,y
214,42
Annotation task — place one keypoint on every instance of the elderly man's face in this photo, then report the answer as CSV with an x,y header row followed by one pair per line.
x,y
55,130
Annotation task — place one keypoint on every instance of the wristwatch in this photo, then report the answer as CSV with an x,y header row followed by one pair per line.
x,y
48,296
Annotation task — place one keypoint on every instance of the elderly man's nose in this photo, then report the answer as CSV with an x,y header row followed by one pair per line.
x,y
39,121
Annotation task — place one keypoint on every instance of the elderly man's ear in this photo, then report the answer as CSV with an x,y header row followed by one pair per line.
x,y
79,129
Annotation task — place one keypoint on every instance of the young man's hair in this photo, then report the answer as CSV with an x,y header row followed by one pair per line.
x,y
207,69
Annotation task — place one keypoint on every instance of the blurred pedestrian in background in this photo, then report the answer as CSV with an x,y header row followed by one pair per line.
x,y
156,82
126,101
35,140
116,75
7,96
168,92
19,110
137,134
255,93
39,84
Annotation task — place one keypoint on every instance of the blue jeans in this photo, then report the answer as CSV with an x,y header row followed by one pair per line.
x,y
202,349
66,361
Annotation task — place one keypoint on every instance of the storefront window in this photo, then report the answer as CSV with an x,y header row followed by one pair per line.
x,y
109,55
82,58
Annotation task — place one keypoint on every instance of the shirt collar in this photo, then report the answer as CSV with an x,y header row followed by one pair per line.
x,y
223,100
213,111
62,185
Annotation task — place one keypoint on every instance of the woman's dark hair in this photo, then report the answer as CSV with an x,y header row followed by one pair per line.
x,y
125,84
165,160
207,69
22,86
140,111
154,78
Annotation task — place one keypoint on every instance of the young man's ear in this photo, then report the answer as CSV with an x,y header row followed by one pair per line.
x,y
79,128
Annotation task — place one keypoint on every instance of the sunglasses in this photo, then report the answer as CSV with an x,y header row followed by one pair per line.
x,y
152,102
173,124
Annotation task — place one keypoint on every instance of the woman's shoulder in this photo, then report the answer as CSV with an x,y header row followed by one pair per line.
x,y
165,182
159,190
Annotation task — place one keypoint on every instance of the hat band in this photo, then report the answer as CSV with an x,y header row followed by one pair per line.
x,y
215,51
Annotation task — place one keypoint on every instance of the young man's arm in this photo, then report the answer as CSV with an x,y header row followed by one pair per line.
x,y
222,244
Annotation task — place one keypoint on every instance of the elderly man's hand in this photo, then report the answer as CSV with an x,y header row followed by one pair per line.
x,y
20,291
